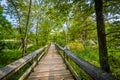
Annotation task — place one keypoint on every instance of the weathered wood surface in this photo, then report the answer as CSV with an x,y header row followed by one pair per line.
x,y
51,67
94,72
10,69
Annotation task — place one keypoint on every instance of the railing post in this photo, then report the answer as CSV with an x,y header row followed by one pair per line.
x,y
33,60
15,66
94,72
37,59
64,56
67,58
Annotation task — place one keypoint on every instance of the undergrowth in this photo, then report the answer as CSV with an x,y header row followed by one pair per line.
x,y
8,56
91,55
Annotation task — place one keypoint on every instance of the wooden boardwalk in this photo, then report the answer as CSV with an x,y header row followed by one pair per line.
x,y
51,67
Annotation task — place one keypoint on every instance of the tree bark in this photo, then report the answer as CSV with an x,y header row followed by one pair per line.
x,y
37,35
26,30
18,16
103,55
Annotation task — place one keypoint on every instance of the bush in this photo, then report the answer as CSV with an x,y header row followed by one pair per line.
x,y
8,56
76,45
9,45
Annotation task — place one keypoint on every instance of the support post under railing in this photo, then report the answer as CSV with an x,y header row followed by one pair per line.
x,y
10,69
94,72
74,74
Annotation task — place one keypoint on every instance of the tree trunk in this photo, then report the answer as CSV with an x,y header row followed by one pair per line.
x,y
26,30
37,35
23,48
20,29
103,56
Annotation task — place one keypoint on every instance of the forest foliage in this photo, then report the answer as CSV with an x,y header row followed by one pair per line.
x,y
69,23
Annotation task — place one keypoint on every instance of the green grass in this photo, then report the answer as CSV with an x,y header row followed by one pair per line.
x,y
114,61
79,71
31,49
82,75
8,56
91,55
19,73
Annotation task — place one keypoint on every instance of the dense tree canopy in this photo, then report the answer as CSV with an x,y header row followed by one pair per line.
x,y
74,23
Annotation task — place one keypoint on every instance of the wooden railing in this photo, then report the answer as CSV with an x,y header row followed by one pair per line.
x,y
92,71
12,68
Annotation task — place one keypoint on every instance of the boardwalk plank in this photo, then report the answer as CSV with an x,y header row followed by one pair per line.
x,y
51,67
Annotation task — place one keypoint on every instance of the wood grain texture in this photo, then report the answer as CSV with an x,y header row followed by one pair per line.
x,y
11,68
51,67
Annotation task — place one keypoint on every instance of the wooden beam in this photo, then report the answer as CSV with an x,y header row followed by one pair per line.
x,y
10,69
94,72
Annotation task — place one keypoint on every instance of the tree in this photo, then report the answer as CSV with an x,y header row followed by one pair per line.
x,y
5,26
103,55
16,9
18,15
26,29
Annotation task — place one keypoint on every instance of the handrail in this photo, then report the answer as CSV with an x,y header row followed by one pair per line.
x,y
75,75
10,69
94,72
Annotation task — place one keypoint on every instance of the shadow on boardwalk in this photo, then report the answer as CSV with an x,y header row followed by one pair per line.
x,y
51,67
